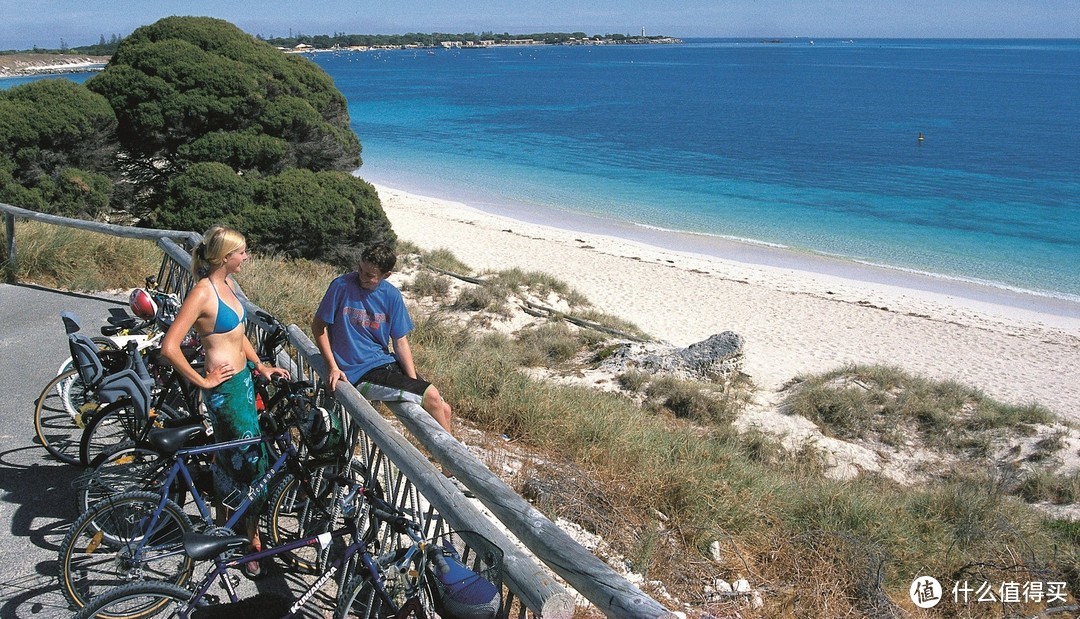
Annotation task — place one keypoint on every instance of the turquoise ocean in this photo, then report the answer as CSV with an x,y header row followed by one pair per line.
x,y
808,145
811,146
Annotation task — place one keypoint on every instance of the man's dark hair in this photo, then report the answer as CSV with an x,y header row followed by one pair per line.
x,y
381,255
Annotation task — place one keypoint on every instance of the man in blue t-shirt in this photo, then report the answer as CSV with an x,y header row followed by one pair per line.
x,y
360,328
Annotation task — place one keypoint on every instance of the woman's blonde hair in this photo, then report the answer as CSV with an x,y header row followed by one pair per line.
x,y
216,245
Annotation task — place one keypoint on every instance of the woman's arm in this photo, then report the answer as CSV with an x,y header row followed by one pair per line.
x,y
265,369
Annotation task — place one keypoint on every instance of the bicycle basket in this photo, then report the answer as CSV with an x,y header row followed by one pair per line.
x,y
469,587
325,432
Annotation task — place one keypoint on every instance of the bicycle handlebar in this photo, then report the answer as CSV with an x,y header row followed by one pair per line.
x,y
435,555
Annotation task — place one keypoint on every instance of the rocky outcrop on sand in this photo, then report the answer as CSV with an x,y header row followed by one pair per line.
x,y
716,358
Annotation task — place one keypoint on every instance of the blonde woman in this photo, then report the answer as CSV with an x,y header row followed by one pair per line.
x,y
217,315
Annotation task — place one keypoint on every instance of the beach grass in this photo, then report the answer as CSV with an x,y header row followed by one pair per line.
x,y
889,404
827,543
78,259
682,495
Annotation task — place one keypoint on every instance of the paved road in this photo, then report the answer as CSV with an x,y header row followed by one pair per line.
x,y
37,503
36,500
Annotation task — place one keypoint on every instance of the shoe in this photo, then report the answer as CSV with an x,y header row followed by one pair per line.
x,y
460,486
253,570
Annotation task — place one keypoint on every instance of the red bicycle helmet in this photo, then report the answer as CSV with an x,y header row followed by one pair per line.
x,y
142,304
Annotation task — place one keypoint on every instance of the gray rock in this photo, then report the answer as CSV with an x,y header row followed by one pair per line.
x,y
717,358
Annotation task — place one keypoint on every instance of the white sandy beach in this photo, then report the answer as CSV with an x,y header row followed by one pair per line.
x,y
807,316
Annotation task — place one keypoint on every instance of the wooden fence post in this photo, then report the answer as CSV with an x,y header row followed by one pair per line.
x,y
9,255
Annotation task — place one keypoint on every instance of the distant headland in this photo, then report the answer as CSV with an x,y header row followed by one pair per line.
x,y
304,43
39,61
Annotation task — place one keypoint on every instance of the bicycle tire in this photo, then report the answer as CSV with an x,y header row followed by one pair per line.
x,y
116,424
137,600
58,430
125,468
291,515
97,552
358,600
109,427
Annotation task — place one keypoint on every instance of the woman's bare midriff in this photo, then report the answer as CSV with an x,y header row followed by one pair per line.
x,y
221,348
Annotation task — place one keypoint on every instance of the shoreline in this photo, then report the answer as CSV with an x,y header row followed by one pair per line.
x,y
799,313
29,65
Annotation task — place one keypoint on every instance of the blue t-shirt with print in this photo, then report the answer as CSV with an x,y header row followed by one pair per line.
x,y
362,323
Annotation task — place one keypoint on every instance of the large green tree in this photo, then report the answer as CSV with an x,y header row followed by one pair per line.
x,y
199,124
56,146
190,90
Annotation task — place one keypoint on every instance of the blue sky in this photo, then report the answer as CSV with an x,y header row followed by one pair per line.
x,y
25,23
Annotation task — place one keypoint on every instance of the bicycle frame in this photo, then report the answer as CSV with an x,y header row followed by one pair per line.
x,y
179,469
358,547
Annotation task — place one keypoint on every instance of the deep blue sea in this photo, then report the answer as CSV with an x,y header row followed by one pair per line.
x,y
807,145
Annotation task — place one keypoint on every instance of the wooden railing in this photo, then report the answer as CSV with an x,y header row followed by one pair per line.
x,y
411,480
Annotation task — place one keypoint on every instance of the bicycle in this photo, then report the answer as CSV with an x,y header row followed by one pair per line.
x,y
175,401
102,377
154,311
128,535
400,583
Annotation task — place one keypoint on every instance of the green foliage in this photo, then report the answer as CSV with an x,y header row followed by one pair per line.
x,y
55,144
206,194
296,215
214,127
428,284
890,404
240,151
192,90
547,344
443,258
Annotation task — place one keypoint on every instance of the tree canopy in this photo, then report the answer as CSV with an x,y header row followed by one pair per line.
x,y
56,144
192,123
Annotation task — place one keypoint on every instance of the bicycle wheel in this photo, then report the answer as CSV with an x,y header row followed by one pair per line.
x,y
59,429
138,600
122,469
115,425
118,541
293,514
109,427
359,600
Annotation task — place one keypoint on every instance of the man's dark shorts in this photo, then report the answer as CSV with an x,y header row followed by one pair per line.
x,y
388,383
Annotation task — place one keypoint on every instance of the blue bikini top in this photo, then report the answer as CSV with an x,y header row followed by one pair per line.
x,y
227,318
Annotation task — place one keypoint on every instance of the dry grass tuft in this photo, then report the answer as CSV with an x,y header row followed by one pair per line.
x,y
79,260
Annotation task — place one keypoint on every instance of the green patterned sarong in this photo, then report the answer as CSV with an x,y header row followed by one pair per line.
x,y
231,407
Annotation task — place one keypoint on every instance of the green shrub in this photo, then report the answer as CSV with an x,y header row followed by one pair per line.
x,y
428,284
444,259
548,344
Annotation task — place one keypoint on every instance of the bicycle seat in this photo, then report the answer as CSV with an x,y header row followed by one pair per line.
x,y
167,441
200,547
